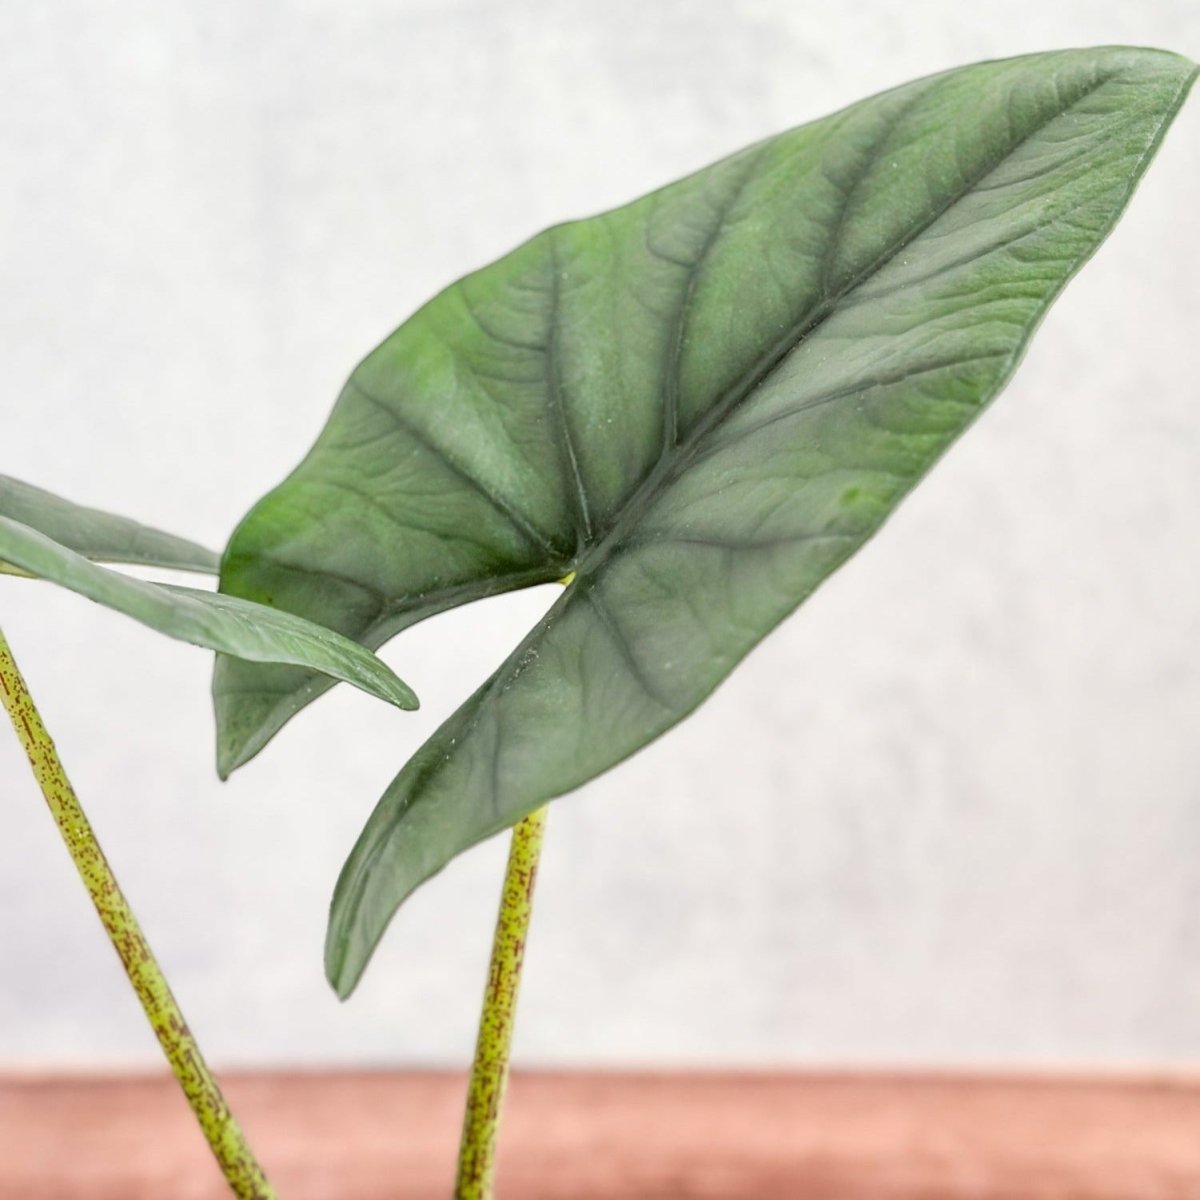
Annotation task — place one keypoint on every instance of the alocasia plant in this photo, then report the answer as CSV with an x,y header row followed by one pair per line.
x,y
691,410
46,537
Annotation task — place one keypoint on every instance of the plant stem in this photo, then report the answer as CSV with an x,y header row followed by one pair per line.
x,y
489,1073
237,1162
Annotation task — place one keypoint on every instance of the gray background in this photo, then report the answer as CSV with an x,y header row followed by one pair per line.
x,y
949,813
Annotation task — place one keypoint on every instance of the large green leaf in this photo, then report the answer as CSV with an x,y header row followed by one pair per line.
x,y
253,632
696,407
98,535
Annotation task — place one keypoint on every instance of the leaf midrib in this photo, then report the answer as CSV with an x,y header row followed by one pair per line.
x,y
675,458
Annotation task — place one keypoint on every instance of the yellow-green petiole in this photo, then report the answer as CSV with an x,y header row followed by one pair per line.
x,y
237,1162
489,1073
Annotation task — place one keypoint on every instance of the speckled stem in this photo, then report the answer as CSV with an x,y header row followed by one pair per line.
x,y
241,1170
489,1074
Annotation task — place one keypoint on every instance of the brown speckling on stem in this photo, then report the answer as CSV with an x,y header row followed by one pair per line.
x,y
233,1155
489,1073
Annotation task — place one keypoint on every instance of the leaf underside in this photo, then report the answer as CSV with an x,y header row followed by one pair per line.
x,y
227,624
100,536
700,405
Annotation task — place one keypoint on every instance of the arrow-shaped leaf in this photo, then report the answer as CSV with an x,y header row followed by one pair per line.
x,y
698,407
252,632
100,536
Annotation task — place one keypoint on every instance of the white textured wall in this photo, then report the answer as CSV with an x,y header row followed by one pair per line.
x,y
951,811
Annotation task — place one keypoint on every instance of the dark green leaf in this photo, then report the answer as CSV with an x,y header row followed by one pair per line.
x,y
699,406
251,631
98,535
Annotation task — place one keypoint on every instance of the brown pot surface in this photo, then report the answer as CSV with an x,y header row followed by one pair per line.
x,y
591,1136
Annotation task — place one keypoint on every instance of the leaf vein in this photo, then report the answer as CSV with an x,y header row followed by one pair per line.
x,y
620,639
802,329
556,401
519,521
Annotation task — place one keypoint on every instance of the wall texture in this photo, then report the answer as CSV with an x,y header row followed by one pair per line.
x,y
950,812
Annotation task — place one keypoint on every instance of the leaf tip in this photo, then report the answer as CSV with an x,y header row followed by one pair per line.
x,y
233,751
227,761
342,989
343,981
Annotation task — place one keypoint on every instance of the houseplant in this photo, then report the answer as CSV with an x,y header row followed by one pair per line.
x,y
690,412
45,537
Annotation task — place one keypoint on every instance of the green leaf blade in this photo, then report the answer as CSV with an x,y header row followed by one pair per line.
x,y
702,404
101,536
226,624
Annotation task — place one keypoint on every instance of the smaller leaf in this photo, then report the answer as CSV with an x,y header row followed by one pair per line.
x,y
100,536
226,624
